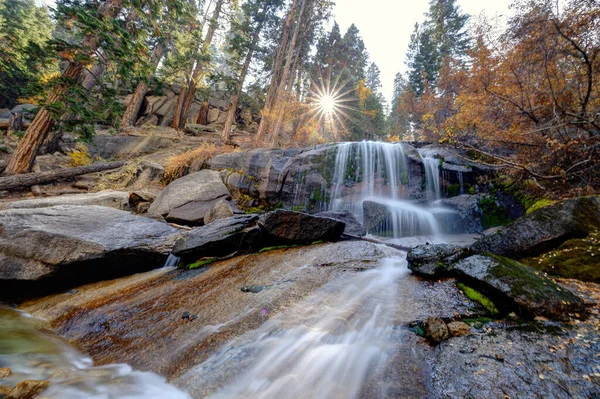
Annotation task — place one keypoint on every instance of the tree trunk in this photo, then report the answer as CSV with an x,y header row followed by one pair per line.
x,y
15,123
282,97
277,65
189,94
37,132
235,99
202,118
135,104
32,179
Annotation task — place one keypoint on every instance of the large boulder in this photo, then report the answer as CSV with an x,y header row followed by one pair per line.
x,y
543,229
433,260
219,238
353,226
514,284
187,200
111,199
374,214
220,210
288,227
65,245
467,218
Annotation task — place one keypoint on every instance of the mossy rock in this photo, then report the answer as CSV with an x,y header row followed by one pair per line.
x,y
578,258
540,204
515,286
544,229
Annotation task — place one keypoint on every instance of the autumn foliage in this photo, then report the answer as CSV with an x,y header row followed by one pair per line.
x,y
528,100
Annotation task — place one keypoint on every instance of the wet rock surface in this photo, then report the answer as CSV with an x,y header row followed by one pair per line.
x,y
436,330
28,389
295,227
374,214
111,199
70,244
220,238
432,260
353,226
543,229
187,200
469,212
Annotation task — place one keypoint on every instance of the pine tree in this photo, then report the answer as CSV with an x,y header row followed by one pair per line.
x,y
399,120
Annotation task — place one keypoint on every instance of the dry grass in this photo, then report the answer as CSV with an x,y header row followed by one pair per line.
x,y
182,164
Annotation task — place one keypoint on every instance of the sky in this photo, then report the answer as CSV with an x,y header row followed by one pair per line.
x,y
386,26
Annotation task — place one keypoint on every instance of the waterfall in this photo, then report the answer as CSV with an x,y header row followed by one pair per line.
x,y
172,261
461,190
432,176
380,173
367,169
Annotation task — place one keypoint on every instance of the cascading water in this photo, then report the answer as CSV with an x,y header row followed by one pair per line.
x,y
432,177
329,345
380,173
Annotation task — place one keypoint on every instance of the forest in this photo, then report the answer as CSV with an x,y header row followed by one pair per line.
x,y
524,96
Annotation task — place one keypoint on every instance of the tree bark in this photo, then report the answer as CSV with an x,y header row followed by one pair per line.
x,y
277,65
282,97
235,99
135,104
189,94
32,179
37,132
202,118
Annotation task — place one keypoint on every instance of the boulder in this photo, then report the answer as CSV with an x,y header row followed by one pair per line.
x,y
459,329
111,199
28,110
188,199
5,372
543,229
434,260
213,115
468,213
28,389
56,247
511,283
166,108
374,214
353,226
219,238
219,210
149,120
436,330
127,147
294,227
152,103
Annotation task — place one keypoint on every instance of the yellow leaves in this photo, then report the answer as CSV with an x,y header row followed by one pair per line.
x,y
80,156
362,92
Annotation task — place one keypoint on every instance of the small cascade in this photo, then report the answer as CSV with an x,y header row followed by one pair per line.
x,y
380,173
367,169
461,189
172,261
432,176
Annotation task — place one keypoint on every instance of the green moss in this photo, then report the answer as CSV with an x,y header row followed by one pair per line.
x,y
577,258
453,190
493,214
200,263
478,322
274,248
540,204
477,296
472,190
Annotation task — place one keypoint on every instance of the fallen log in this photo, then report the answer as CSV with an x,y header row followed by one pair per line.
x,y
27,180
4,124
373,240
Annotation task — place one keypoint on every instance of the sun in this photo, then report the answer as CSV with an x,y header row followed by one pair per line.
x,y
327,103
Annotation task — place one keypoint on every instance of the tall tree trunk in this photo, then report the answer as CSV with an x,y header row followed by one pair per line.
x,y
183,105
135,104
225,136
276,74
25,154
282,97
202,118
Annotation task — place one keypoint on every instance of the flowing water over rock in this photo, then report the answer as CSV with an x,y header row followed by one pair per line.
x,y
330,345
380,173
32,355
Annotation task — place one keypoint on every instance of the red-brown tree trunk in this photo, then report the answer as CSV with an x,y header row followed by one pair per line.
x,y
27,150
203,114
276,76
184,104
135,104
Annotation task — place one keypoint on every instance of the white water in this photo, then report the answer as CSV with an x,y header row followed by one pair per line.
x,y
172,261
327,346
379,172
72,375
